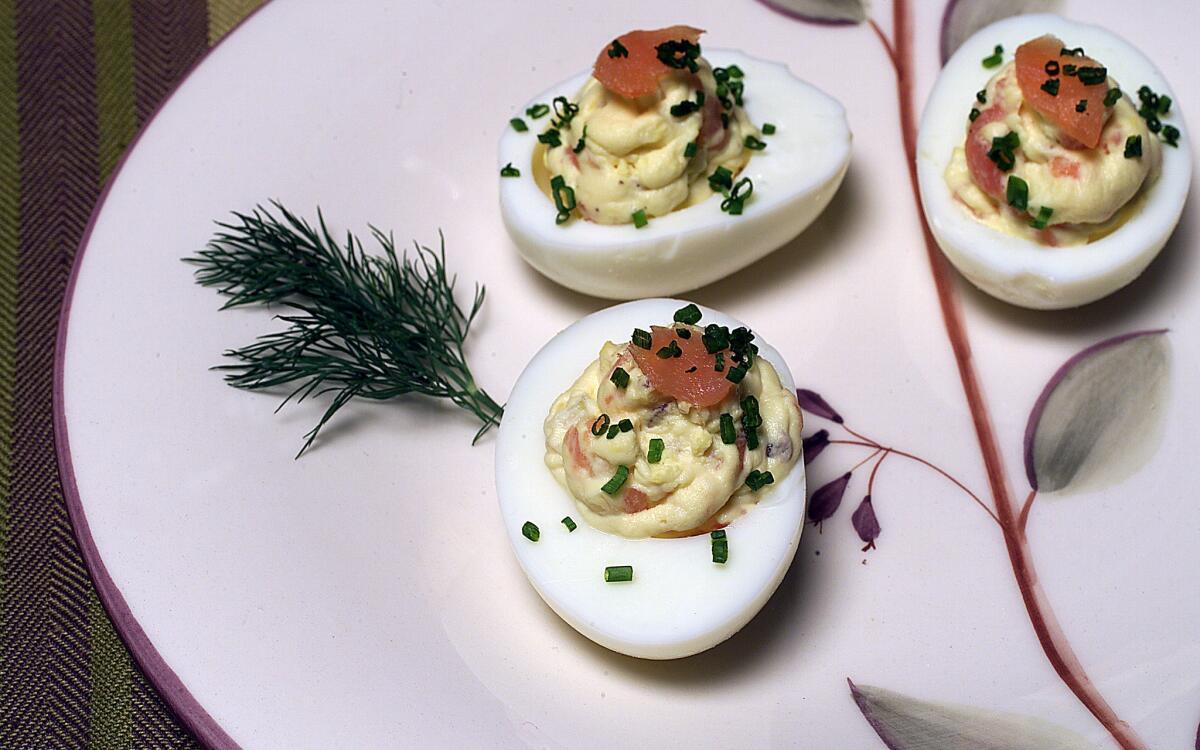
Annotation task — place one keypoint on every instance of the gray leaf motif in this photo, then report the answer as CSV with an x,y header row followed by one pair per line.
x,y
822,11
962,18
1100,416
905,723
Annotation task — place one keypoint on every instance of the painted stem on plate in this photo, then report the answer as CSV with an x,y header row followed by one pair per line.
x,y
1045,624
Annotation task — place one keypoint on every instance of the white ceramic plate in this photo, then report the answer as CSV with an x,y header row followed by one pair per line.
x,y
366,595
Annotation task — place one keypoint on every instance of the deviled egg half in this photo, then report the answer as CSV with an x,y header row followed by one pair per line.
x,y
1052,164
650,476
663,169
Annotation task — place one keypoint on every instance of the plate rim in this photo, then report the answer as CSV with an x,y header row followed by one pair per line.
x,y
186,708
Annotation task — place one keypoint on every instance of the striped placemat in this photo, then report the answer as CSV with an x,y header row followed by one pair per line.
x,y
77,79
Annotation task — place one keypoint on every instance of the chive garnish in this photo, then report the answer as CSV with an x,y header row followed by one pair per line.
x,y
718,534
728,433
1164,104
579,145
569,523
1050,86
620,377
1153,124
654,453
1017,193
683,333
754,144
995,58
720,551
618,479
736,201
1051,67
538,110
508,170
720,180
734,71
720,363
600,426
678,53
618,573
689,150
1092,76
551,138
1112,97
564,198
639,218
1170,135
641,338
684,108
613,431
1003,150
715,338
625,425
725,121
518,124
1070,70
768,129
691,369
981,96
565,111
973,114
616,49
689,314
530,531
759,479
736,374
1133,147
1071,52
1081,105
1043,218
669,351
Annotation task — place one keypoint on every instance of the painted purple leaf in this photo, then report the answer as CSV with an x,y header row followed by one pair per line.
x,y
1100,416
825,501
865,523
814,444
905,723
811,402
833,12
962,18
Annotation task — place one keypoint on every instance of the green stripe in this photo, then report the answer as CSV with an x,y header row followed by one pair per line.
x,y
115,100
223,15
112,702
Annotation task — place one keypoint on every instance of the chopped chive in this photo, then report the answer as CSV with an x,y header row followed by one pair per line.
x,y
718,534
508,170
1050,86
691,369
1164,104
759,479
569,523
734,71
736,201
565,111
564,198
1170,135
538,110
689,314
736,374
753,143
689,150
530,531
725,121
720,551
613,431
1017,193
1133,147
600,426
616,49
1071,52
669,351
579,145
641,338
1081,105
751,418
768,128
639,218
1051,67
751,440
699,98
981,96
654,453
552,138
684,108
720,180
518,124
973,115
1043,218
715,338
678,53
1070,70
994,59
728,433
719,366
620,377
625,425
1112,97
1092,76
618,479
683,333
618,573
1153,124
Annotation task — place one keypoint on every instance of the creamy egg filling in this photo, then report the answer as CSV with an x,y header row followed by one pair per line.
x,y
699,482
635,154
1091,191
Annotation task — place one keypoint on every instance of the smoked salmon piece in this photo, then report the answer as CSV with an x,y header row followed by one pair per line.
x,y
984,171
636,71
703,386
1042,73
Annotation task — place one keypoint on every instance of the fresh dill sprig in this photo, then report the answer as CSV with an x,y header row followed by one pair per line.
x,y
359,325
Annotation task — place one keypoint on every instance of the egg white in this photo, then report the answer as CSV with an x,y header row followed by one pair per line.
x,y
679,602
794,179
1019,270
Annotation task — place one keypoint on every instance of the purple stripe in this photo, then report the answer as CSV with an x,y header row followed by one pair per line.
x,y
168,38
45,649
156,670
